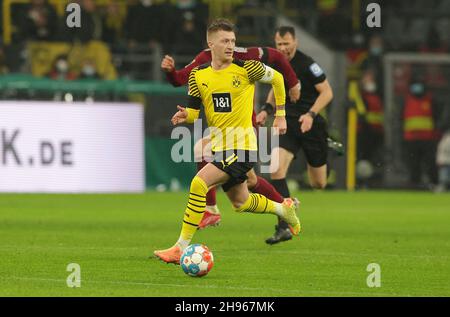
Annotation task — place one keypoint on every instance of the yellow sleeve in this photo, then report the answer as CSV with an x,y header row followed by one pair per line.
x,y
258,71
195,100
273,77
193,88
255,70
192,115
277,82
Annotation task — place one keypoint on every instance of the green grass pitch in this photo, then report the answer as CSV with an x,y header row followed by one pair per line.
x,y
112,236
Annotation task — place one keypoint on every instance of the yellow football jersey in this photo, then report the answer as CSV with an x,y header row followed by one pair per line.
x,y
227,96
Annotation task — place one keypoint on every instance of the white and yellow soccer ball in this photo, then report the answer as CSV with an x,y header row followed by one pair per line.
x,y
197,260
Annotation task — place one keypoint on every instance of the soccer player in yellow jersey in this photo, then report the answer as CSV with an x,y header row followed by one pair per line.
x,y
226,90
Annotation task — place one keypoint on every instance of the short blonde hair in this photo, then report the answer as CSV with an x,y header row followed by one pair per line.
x,y
220,25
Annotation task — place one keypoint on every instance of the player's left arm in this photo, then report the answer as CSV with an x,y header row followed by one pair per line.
x,y
281,63
317,76
266,109
257,71
323,100
325,96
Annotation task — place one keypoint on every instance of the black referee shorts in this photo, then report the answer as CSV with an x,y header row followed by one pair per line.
x,y
236,163
313,143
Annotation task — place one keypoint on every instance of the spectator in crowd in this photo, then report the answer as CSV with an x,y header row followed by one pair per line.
x,y
91,21
143,24
61,69
370,130
187,20
374,60
334,19
255,21
3,64
197,10
39,21
420,134
144,27
443,162
188,39
433,42
113,22
89,70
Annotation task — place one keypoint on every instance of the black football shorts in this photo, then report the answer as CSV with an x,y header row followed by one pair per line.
x,y
236,163
313,143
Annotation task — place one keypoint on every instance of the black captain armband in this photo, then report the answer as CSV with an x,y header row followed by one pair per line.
x,y
267,107
194,102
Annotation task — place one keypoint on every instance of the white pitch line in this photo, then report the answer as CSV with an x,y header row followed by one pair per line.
x,y
206,286
377,254
301,252
68,247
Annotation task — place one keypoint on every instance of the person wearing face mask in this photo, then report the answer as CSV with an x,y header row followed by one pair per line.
x,y
420,134
61,69
374,60
376,46
372,100
370,130
88,70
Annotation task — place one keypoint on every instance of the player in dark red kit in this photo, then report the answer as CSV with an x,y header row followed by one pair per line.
x,y
268,56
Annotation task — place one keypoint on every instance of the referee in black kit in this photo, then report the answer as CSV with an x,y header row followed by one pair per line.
x,y
306,128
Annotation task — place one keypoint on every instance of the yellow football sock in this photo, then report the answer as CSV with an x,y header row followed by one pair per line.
x,y
257,203
194,211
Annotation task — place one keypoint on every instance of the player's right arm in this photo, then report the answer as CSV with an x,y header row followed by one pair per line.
x,y
192,111
180,77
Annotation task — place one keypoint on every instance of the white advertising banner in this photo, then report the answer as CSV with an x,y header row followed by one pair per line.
x,y
71,147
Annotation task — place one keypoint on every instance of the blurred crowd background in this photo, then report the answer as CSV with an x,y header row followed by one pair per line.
x,y
125,40
133,28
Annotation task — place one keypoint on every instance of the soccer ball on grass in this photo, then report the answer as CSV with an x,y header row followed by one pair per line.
x,y
197,260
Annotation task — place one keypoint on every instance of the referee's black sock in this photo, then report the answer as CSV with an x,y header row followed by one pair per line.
x,y
281,187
